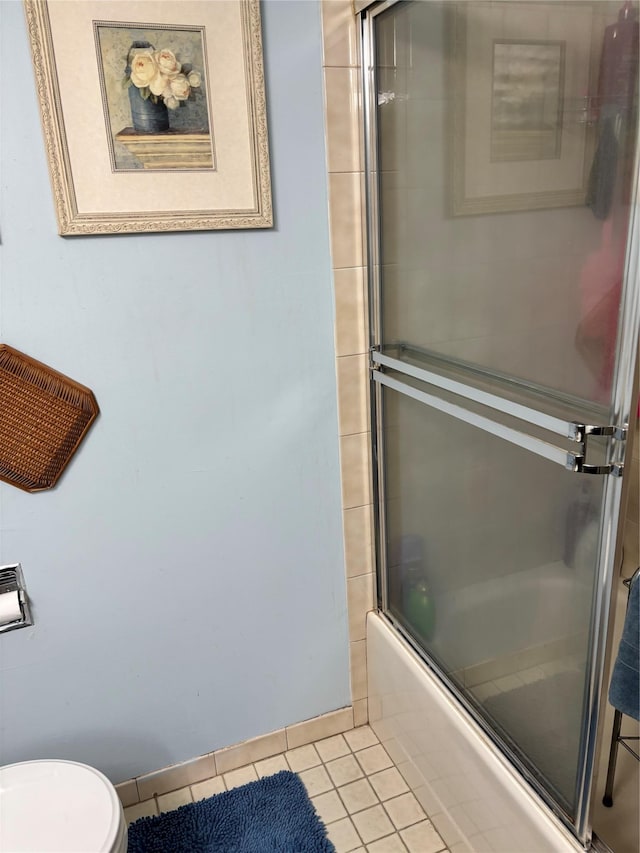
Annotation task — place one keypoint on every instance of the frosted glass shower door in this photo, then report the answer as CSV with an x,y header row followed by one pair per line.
x,y
502,174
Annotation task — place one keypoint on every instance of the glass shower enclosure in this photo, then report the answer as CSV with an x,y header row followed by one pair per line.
x,y
501,161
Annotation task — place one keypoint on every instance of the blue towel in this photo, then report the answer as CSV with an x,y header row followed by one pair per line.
x,y
624,690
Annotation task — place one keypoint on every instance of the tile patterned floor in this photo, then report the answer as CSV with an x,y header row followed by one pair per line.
x,y
353,784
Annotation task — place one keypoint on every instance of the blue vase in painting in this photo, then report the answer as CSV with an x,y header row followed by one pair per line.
x,y
149,115
146,116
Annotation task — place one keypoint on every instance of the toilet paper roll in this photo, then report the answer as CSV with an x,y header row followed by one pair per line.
x,y
9,608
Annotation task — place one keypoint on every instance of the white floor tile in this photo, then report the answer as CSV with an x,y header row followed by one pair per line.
x,y
390,844
388,783
372,824
374,759
271,765
422,838
343,836
332,747
344,770
361,738
316,781
147,808
241,776
329,807
358,796
175,799
208,788
302,758
404,811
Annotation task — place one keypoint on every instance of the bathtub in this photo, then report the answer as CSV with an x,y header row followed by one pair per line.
x,y
475,799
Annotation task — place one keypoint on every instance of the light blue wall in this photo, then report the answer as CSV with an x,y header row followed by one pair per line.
x,y
187,572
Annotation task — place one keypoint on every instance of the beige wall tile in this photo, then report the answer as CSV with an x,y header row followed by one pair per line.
x,y
176,776
346,194
354,460
325,726
360,712
358,545
342,103
351,337
358,658
340,46
353,394
345,215
250,751
360,601
128,793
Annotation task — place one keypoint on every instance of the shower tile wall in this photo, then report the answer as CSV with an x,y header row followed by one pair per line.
x,y
344,162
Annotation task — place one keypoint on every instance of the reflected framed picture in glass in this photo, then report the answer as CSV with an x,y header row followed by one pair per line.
x,y
521,136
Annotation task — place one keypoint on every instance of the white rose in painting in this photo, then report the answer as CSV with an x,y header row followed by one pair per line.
x,y
194,79
159,84
180,88
171,102
167,63
143,69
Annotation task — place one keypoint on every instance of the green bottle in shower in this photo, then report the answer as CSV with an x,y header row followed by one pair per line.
x,y
420,610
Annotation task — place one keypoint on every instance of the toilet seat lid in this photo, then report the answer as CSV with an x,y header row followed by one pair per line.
x,y
60,806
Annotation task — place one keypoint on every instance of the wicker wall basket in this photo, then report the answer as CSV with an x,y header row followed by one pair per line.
x,y
43,418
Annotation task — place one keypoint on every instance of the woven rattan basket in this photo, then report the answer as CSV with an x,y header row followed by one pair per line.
x,y
43,418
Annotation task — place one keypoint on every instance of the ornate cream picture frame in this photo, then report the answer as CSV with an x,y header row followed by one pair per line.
x,y
154,114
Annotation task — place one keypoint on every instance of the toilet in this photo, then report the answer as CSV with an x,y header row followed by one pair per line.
x,y
59,807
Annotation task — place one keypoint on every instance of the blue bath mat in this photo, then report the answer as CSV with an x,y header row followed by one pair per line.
x,y
272,815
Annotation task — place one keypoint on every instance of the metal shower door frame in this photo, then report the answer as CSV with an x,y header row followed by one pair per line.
x,y
622,400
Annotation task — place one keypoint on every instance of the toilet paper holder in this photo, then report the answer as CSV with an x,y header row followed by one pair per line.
x,y
12,581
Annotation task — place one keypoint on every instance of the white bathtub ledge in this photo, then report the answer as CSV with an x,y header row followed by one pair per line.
x,y
473,796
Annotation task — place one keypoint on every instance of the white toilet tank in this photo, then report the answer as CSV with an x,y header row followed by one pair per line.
x,y
59,807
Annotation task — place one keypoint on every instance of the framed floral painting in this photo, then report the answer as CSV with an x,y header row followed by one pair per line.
x,y
153,113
